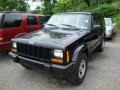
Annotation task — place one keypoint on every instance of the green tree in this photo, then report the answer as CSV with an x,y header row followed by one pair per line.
x,y
47,6
37,10
6,5
62,6
87,2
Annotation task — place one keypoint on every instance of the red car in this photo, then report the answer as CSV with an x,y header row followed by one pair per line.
x,y
13,24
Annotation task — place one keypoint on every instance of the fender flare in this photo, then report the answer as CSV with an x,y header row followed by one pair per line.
x,y
78,51
20,34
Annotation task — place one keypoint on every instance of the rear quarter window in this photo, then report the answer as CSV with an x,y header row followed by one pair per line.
x,y
32,20
1,15
12,20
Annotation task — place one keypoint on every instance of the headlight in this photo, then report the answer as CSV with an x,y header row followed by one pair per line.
x,y
14,45
58,53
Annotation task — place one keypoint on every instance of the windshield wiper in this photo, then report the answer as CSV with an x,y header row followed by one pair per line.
x,y
52,25
71,26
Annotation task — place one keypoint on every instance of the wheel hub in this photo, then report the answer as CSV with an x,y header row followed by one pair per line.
x,y
82,68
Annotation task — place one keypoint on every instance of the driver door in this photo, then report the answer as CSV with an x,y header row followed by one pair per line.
x,y
96,34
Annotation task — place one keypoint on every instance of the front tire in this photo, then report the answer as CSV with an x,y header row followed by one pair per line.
x,y
80,69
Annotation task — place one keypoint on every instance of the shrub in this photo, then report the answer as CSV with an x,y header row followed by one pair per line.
x,y
117,21
106,10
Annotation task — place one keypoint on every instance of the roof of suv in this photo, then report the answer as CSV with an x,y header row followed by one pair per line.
x,y
76,12
89,13
20,12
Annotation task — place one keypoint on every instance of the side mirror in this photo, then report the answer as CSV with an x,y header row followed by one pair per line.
x,y
96,28
114,24
44,24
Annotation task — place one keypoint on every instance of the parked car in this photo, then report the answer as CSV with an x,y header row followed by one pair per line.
x,y
13,24
110,27
63,46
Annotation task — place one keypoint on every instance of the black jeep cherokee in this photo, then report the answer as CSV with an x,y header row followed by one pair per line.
x,y
63,46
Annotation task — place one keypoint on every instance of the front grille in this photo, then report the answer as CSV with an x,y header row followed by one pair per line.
x,y
34,52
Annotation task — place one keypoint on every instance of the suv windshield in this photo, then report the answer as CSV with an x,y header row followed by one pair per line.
x,y
74,21
108,21
1,19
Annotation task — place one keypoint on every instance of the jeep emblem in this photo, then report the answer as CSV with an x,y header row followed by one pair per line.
x,y
31,42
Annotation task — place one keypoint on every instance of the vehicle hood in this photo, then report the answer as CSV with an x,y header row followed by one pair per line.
x,y
51,37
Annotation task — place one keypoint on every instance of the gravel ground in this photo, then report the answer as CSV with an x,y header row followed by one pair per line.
x,y
103,73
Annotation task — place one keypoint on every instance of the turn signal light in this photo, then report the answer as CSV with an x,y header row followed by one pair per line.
x,y
14,50
68,57
57,60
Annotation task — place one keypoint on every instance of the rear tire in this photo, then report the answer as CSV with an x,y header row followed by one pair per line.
x,y
80,69
100,48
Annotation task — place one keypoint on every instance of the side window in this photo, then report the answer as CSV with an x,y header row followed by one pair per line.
x,y
32,20
97,20
112,21
12,20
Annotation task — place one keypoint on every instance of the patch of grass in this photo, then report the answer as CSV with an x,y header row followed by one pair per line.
x,y
117,21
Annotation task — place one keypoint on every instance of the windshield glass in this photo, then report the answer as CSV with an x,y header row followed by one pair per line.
x,y
108,21
1,19
74,21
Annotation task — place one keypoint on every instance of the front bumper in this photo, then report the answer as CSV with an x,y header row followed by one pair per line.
x,y
108,34
60,71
